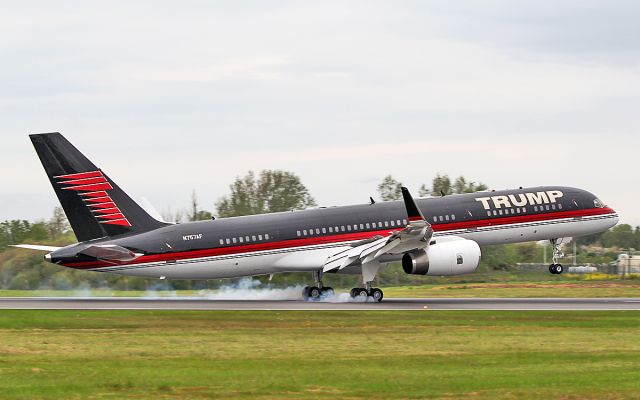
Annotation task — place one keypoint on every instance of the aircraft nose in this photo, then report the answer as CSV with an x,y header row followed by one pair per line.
x,y
616,217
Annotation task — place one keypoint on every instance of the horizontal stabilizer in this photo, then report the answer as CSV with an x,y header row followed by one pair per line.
x,y
36,247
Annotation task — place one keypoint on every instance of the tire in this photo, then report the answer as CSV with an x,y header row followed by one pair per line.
x,y
362,294
305,293
314,293
559,269
354,292
552,269
377,295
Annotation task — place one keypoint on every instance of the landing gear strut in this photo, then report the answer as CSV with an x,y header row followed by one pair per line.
x,y
318,291
556,267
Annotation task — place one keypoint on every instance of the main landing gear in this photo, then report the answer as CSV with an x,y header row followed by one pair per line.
x,y
369,271
318,291
556,267
364,293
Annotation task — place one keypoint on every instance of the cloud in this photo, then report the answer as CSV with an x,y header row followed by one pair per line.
x,y
342,93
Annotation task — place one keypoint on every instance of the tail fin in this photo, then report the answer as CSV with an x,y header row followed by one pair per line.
x,y
95,206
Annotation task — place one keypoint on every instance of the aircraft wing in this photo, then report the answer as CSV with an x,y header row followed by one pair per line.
x,y
416,235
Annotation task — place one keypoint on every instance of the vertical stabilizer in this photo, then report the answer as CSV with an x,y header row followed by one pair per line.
x,y
95,206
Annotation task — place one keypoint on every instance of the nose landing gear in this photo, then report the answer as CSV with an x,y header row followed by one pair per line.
x,y
556,268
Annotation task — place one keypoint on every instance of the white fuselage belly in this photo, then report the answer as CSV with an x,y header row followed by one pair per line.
x,y
310,258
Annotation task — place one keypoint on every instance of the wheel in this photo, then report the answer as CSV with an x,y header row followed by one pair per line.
x,y
362,294
559,269
327,291
305,292
314,293
377,295
552,269
354,292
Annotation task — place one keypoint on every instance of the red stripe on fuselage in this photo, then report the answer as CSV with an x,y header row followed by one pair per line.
x,y
344,237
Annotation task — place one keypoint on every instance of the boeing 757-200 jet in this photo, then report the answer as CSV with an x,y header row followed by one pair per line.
x,y
430,236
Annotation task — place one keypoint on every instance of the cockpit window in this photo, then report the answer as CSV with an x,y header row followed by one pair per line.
x,y
598,203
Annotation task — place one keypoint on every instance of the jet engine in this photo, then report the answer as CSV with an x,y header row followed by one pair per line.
x,y
448,256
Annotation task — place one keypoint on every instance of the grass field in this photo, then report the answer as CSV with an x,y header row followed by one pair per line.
x,y
609,288
319,355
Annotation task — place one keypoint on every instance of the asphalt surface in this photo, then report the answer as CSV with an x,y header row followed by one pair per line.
x,y
116,303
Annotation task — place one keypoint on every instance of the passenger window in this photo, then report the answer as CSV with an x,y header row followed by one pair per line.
x,y
368,225
259,237
266,236
228,241
386,224
547,207
559,206
253,238
317,231
535,208
298,233
234,240
349,228
324,230
489,213
241,239
246,239
495,212
453,217
304,232
404,221
342,228
446,217
221,241
398,222
331,229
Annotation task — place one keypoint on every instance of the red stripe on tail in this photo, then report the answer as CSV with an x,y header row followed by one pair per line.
x,y
80,175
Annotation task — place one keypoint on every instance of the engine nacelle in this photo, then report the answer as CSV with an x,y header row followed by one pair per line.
x,y
454,256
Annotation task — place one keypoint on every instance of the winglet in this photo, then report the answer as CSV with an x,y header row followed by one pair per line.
x,y
413,212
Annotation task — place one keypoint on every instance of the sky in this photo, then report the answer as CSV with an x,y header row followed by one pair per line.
x,y
168,97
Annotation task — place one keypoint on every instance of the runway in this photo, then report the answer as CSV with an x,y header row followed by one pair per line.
x,y
130,303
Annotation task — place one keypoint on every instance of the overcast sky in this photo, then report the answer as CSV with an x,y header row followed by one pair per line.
x,y
168,97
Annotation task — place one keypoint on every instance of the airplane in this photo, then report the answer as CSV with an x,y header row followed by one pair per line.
x,y
436,236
